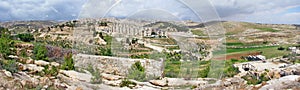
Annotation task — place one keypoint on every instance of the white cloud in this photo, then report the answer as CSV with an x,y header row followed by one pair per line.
x,y
39,9
239,10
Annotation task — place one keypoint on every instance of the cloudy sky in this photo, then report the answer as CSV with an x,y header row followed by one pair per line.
x,y
262,11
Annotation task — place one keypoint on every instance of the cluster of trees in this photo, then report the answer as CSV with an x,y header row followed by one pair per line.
x,y
26,37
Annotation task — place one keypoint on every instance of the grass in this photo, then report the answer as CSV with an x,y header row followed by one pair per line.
x,y
267,29
268,51
234,50
180,69
198,32
234,44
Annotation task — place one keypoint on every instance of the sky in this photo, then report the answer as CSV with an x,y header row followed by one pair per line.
x,y
259,11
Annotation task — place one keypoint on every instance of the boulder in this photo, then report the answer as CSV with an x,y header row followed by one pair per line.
x,y
45,81
29,61
182,82
41,63
161,83
76,75
55,64
33,67
7,73
112,83
111,77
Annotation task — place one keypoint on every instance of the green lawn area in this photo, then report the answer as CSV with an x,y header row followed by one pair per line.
x,y
267,29
268,51
234,44
198,32
193,68
234,50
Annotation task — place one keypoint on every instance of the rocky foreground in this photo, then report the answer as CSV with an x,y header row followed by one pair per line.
x,y
29,78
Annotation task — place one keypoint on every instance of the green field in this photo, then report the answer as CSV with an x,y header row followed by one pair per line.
x,y
267,29
198,32
268,51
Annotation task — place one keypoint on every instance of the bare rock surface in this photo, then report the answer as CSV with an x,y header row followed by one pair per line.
x,y
76,75
41,63
286,82
117,65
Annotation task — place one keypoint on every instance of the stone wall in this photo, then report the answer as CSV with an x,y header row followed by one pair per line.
x,y
117,65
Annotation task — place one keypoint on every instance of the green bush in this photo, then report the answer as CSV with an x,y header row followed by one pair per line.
x,y
253,80
9,65
104,51
68,63
280,48
40,52
140,56
204,73
127,83
26,37
50,70
96,75
5,43
137,72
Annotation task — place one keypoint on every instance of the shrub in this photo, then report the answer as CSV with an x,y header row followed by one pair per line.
x,y
140,56
26,37
40,52
50,70
4,44
137,72
68,63
104,51
9,65
204,73
280,48
127,83
96,75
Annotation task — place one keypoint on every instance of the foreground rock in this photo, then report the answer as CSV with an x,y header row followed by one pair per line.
x,y
117,65
76,75
283,83
41,63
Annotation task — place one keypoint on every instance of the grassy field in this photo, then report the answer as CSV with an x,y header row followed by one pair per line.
x,y
268,51
186,69
198,32
267,29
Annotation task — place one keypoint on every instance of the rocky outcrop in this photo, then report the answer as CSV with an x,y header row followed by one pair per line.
x,y
41,63
76,75
161,83
116,65
283,83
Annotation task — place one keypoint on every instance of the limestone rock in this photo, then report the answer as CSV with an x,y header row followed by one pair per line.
x,y
55,64
41,63
111,77
33,67
7,73
76,75
162,82
113,83
29,61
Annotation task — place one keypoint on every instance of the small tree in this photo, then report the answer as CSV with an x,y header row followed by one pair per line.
x,y
68,63
26,37
137,72
4,42
40,52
